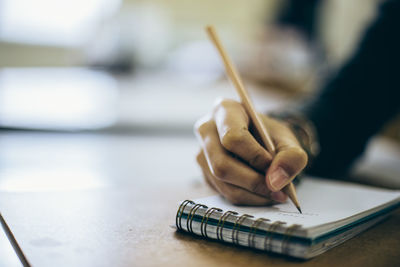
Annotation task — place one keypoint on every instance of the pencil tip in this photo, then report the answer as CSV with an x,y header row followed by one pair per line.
x,y
298,208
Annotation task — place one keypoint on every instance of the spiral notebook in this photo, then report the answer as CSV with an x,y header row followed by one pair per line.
x,y
333,212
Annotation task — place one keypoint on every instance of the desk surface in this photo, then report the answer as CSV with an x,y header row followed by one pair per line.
x,y
132,227
97,204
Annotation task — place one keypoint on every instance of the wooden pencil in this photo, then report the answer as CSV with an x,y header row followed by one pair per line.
x,y
233,74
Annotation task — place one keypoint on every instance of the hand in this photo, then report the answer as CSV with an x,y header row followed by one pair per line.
x,y
237,166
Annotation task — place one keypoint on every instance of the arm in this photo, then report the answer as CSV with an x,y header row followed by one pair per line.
x,y
351,108
301,15
363,95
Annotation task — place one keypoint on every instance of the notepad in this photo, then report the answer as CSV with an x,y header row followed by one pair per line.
x,y
333,212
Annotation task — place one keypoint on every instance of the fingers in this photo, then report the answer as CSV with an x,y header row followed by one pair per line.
x,y
233,161
232,193
287,164
226,168
201,160
290,158
232,124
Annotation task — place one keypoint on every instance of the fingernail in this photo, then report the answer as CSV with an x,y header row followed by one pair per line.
x,y
278,178
278,196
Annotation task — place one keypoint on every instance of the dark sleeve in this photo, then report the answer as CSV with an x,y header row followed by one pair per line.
x,y
361,97
300,14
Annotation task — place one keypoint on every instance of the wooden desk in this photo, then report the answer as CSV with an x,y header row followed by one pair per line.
x,y
123,217
132,227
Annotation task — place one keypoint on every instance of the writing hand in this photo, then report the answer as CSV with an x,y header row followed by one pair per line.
x,y
234,163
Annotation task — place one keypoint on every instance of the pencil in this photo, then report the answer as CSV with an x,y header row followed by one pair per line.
x,y
233,74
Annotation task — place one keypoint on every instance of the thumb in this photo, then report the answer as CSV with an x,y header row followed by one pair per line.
x,y
287,163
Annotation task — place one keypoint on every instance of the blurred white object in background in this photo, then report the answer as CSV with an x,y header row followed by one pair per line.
x,y
139,35
53,22
197,61
57,99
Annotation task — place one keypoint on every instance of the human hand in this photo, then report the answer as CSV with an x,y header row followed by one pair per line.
x,y
237,166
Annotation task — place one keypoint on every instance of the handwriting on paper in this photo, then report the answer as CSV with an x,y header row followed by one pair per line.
x,y
298,215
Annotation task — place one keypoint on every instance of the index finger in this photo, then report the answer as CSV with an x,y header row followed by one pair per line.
x,y
233,123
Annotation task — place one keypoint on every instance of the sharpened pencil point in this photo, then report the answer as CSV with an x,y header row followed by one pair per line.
x,y
298,208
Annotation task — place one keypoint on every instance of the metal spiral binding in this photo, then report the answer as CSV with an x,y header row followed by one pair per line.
x,y
178,218
236,227
191,214
238,223
204,221
253,231
221,222
271,231
288,234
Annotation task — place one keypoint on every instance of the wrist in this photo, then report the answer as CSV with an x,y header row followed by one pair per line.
x,y
303,129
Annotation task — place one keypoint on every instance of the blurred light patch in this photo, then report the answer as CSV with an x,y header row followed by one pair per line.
x,y
53,22
197,61
57,179
57,98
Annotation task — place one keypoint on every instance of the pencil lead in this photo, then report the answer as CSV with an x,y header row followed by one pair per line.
x,y
298,208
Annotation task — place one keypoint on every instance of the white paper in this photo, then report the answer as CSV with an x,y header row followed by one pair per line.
x,y
322,202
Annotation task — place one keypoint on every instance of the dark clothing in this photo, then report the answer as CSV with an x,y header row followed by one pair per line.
x,y
361,97
301,14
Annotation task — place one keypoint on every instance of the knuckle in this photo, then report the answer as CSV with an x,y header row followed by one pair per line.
x,y
260,160
259,187
199,158
255,160
224,102
203,127
232,139
220,168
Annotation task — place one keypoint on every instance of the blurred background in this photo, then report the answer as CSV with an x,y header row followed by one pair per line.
x,y
88,87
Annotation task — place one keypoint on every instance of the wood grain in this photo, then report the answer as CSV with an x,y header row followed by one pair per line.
x,y
127,222
132,227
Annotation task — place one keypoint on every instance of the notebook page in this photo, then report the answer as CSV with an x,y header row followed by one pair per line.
x,y
322,201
